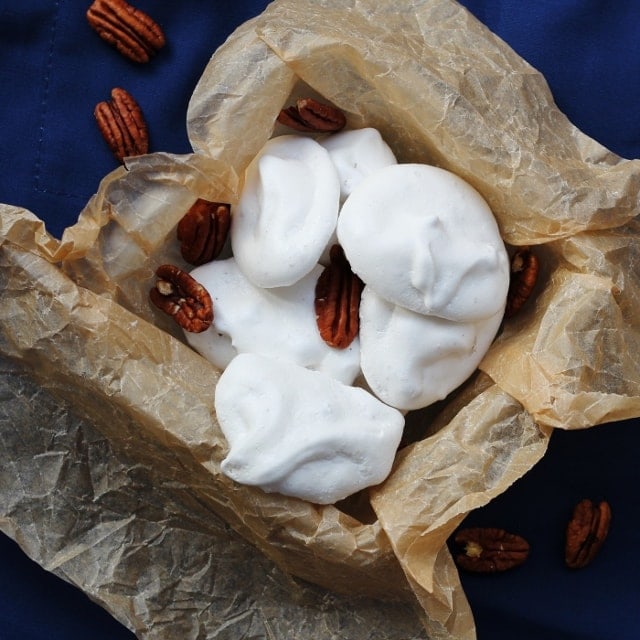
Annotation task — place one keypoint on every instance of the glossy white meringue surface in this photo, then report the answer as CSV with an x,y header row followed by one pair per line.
x,y
287,211
356,154
302,433
424,239
431,356
278,322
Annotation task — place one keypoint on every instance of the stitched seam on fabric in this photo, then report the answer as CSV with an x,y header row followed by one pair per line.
x,y
44,103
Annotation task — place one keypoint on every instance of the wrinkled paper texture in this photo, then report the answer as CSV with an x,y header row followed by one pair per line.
x,y
441,89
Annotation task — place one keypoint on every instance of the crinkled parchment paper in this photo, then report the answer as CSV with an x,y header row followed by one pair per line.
x,y
76,319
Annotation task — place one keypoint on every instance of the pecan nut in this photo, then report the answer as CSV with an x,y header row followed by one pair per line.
x,y
131,31
122,125
337,301
490,550
203,230
312,116
524,274
586,532
179,295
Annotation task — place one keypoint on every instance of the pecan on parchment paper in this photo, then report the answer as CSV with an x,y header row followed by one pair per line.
x,y
489,550
312,116
179,295
131,31
337,301
524,274
122,125
203,230
586,532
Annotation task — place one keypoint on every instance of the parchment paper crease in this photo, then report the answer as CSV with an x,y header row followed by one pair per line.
x,y
442,89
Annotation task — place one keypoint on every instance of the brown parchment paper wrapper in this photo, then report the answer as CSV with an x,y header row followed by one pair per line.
x,y
443,90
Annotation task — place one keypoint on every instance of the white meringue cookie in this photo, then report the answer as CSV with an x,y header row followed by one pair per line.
x,y
287,211
356,154
410,360
424,239
301,433
278,322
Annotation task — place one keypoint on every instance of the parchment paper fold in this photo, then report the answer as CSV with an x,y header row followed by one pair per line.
x,y
441,89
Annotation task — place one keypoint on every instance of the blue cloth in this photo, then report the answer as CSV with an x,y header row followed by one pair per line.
x,y
54,69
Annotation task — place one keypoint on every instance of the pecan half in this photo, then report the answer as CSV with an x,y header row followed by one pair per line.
x,y
489,550
122,125
337,301
179,295
312,116
131,31
586,532
524,273
203,230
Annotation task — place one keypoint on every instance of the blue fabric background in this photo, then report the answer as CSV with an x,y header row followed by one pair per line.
x,y
54,69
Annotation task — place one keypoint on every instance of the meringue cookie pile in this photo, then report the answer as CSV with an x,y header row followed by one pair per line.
x,y
436,275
